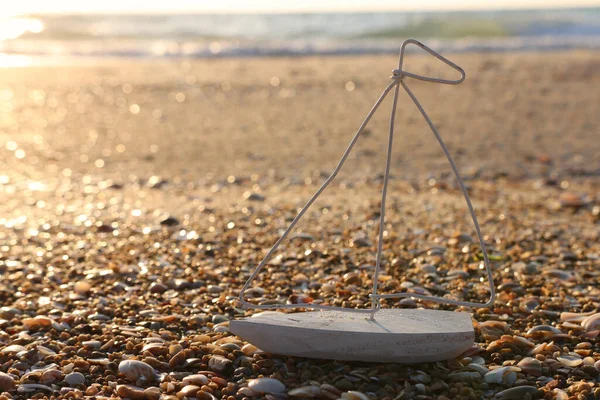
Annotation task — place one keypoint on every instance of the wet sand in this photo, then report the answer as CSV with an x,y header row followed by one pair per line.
x,y
136,197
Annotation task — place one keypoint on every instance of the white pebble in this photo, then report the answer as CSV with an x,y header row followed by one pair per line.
x,y
75,378
135,370
266,385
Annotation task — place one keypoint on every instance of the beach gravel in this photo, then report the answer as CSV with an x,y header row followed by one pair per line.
x,y
125,238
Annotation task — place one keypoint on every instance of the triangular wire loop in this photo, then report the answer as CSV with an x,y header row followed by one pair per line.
x,y
397,81
399,73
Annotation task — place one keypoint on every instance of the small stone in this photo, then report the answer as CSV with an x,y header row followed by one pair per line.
x,y
82,287
249,349
6,382
9,313
14,348
37,321
408,303
531,366
329,391
51,376
478,368
152,393
188,391
306,391
169,221
131,392
135,370
253,196
493,330
91,391
214,289
217,318
303,237
591,322
177,359
221,365
352,395
247,392
574,200
156,287
570,361
75,379
504,375
463,376
517,393
299,279
351,278
361,241
94,344
267,385
196,379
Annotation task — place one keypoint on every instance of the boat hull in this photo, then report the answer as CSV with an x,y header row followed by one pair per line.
x,y
395,335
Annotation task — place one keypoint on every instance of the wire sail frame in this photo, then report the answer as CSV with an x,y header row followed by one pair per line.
x,y
397,80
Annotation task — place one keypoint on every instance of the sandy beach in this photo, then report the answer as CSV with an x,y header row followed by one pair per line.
x,y
136,197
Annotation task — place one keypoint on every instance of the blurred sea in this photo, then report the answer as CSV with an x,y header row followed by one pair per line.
x,y
201,35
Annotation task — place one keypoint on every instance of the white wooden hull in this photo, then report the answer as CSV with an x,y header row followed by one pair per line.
x,y
395,335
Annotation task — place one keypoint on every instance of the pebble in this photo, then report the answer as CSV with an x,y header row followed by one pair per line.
x,y
463,376
9,313
247,392
37,321
560,395
170,221
131,392
570,361
249,349
156,287
352,395
14,348
188,391
531,366
75,379
82,287
330,391
221,365
51,376
478,368
253,196
6,382
591,322
196,379
135,370
267,385
306,391
492,330
217,319
569,199
517,393
31,387
95,344
351,278
543,329
502,375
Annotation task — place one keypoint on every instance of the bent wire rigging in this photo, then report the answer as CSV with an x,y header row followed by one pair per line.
x,y
398,79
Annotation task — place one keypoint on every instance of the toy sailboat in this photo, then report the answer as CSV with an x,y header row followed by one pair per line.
x,y
375,334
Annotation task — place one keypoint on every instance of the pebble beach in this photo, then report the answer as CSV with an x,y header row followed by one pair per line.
x,y
137,197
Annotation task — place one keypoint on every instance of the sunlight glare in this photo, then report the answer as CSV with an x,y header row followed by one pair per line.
x,y
12,60
13,28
